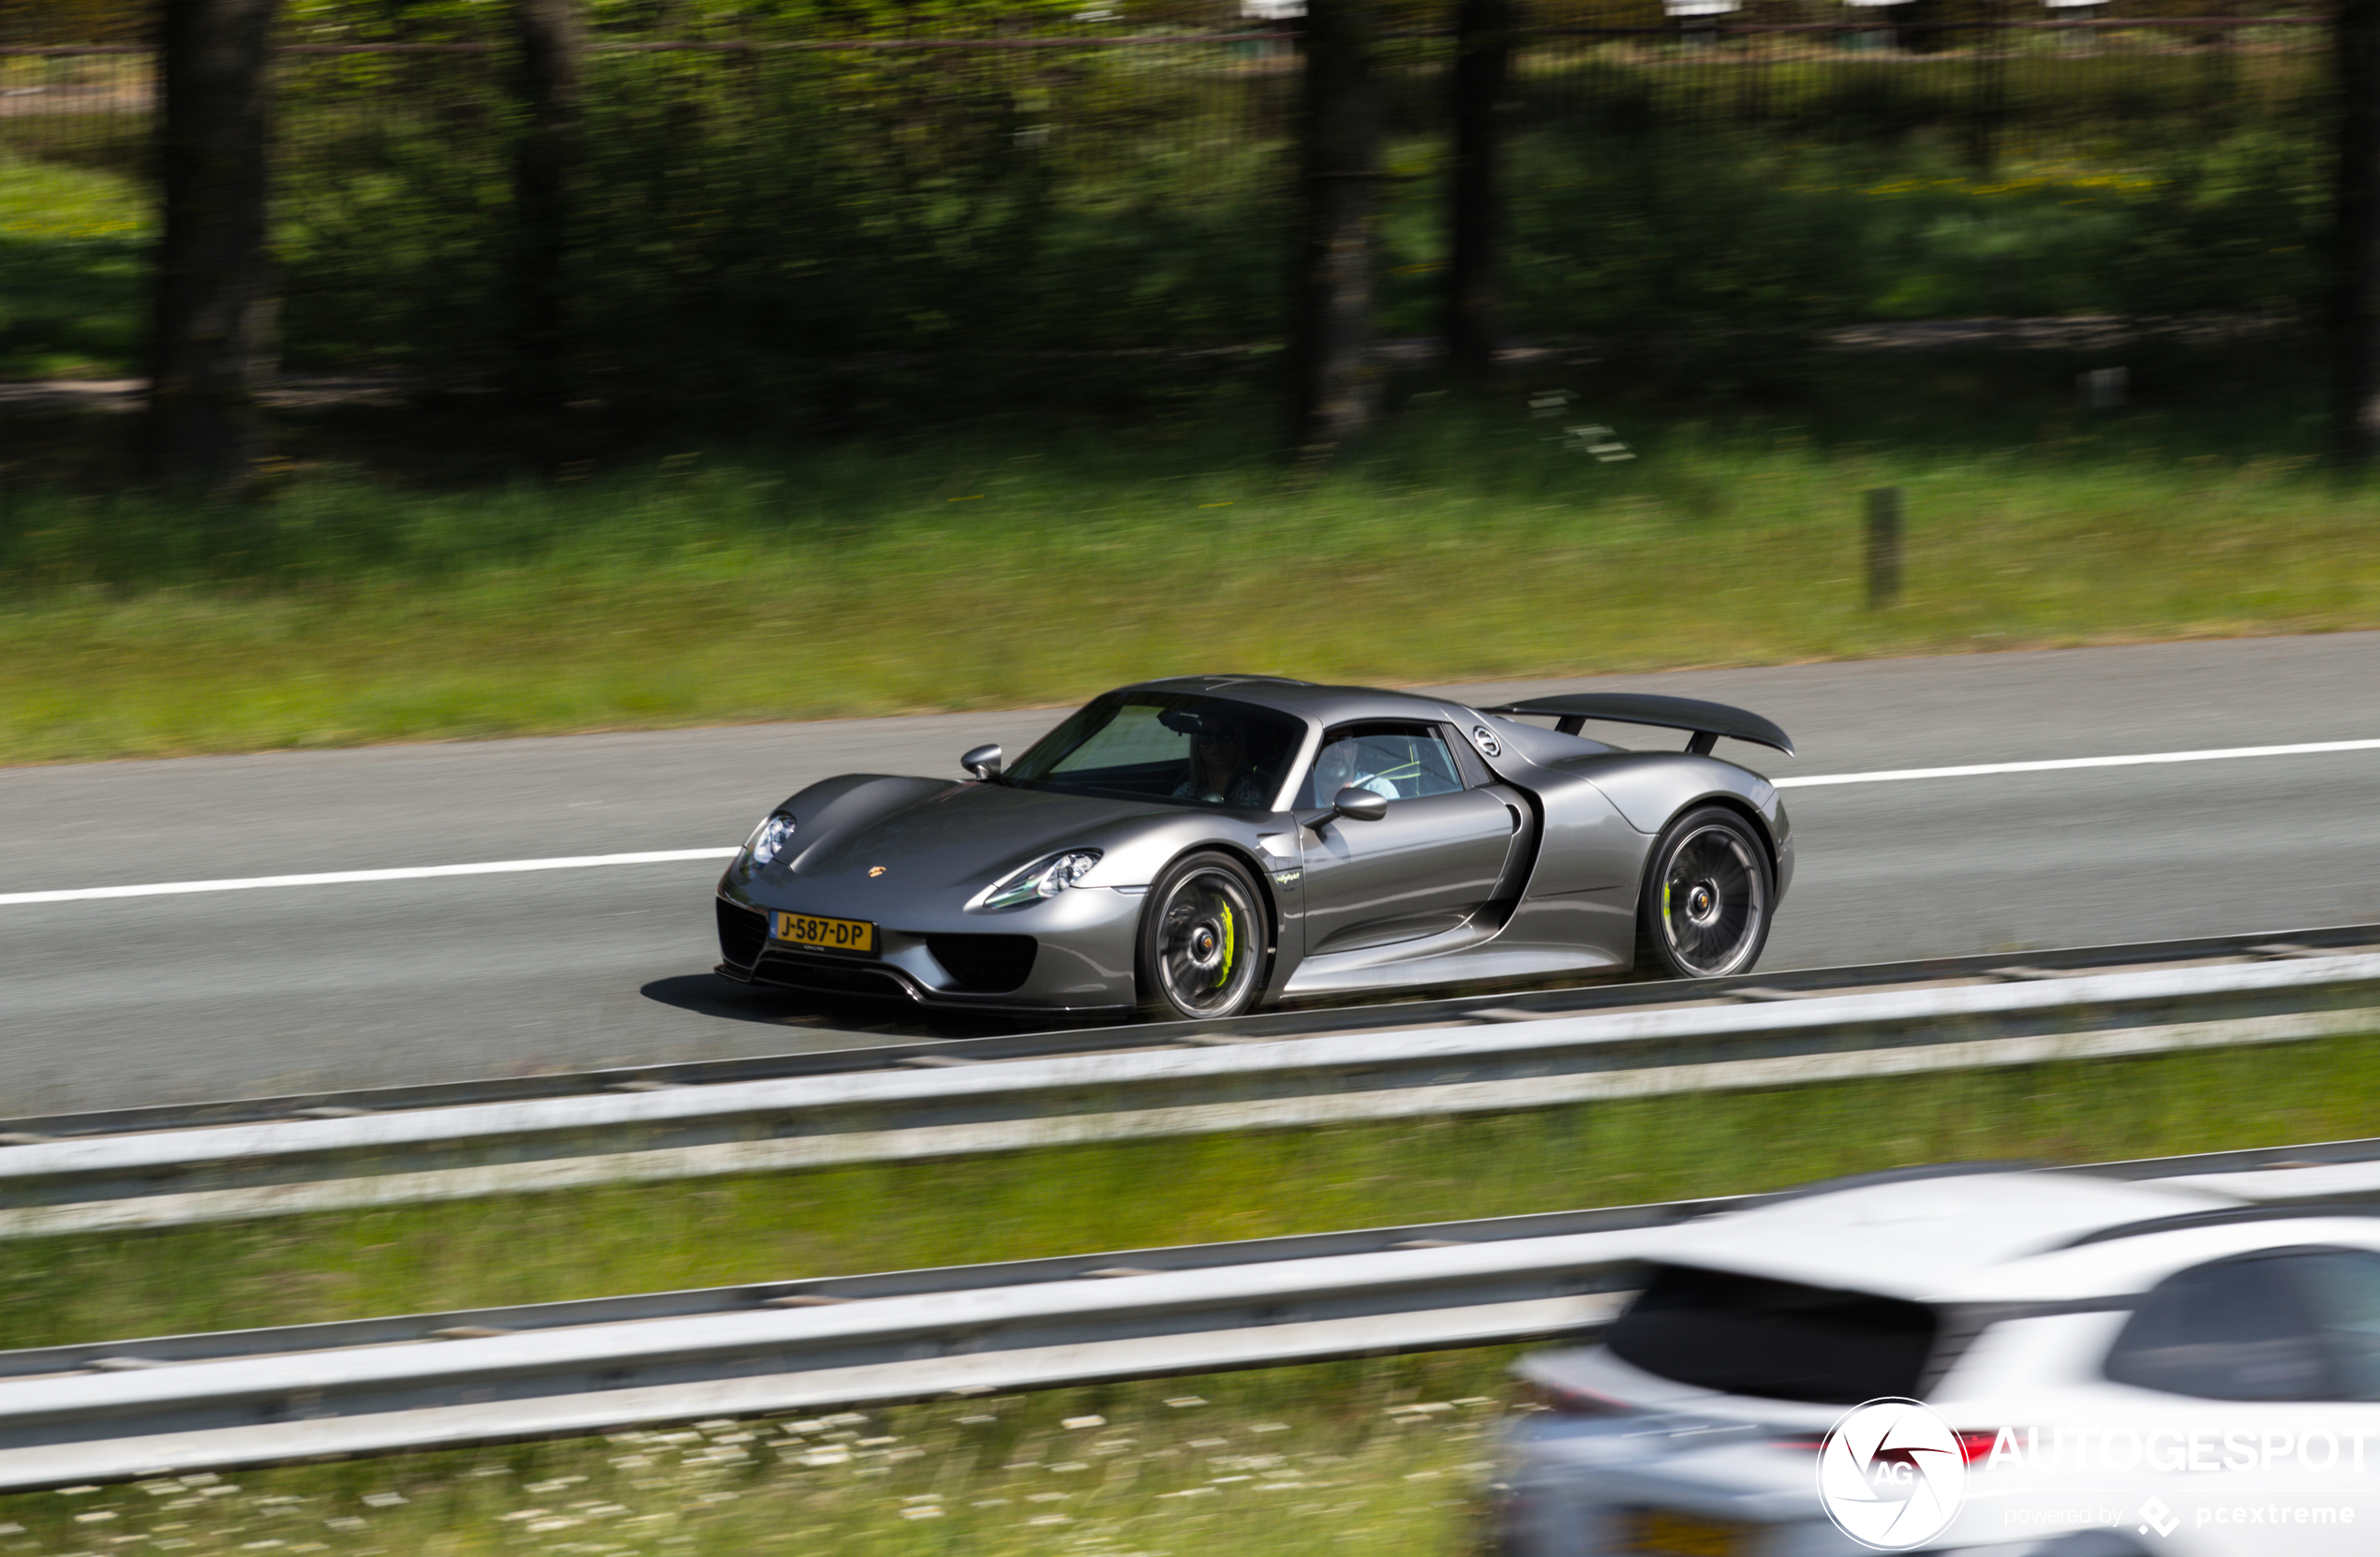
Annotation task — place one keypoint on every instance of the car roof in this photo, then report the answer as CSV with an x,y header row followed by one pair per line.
x,y
1323,704
1942,1238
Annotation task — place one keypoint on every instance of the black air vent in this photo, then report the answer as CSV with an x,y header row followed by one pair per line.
x,y
742,932
984,964
829,975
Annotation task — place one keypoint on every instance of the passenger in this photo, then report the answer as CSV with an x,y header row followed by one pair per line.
x,y
1340,767
1220,772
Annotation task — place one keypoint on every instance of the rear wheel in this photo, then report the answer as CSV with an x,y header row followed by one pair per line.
x,y
1202,940
1707,898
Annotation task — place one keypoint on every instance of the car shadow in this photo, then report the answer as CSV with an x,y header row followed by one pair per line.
x,y
713,995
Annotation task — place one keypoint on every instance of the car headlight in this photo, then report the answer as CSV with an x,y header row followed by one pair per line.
x,y
769,839
1043,878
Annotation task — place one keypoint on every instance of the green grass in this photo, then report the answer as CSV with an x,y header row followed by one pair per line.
x,y
1389,1454
954,570
73,261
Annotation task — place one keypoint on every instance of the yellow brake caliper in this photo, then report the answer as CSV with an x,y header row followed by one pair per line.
x,y
1230,940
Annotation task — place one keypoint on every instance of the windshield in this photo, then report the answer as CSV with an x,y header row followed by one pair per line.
x,y
1175,747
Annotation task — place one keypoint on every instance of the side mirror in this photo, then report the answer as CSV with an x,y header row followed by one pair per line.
x,y
982,762
1359,804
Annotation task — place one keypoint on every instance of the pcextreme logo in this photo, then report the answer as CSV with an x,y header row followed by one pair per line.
x,y
1891,1475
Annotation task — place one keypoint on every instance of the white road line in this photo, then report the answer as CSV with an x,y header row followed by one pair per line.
x,y
1974,770
663,856
334,877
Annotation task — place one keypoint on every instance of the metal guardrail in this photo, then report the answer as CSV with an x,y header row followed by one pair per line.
x,y
969,1096
128,1409
1304,1022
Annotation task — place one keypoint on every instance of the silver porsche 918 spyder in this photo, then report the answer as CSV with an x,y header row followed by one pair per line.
x,y
1202,846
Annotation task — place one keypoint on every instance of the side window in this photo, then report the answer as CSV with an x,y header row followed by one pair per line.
x,y
2239,1329
1467,761
2343,1286
1399,761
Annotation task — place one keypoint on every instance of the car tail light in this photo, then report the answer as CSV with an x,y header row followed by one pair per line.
x,y
1973,1446
1575,1402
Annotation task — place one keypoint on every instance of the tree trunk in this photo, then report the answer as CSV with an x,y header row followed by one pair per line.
x,y
1337,389
549,38
2355,390
212,299
1990,103
1482,66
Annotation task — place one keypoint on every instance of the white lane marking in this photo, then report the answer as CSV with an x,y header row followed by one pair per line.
x,y
663,856
1973,770
334,877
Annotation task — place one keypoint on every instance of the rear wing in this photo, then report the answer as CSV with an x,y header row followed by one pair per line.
x,y
1707,720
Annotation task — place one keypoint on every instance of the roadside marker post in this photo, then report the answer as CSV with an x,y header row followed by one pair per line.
x,y
1883,546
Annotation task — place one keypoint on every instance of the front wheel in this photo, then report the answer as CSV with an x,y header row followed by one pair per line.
x,y
1708,896
1202,940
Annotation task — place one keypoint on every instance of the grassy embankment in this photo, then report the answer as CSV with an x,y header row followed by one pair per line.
x,y
1284,1461
949,573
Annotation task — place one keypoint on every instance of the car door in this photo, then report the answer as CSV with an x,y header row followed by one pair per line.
x,y
1423,868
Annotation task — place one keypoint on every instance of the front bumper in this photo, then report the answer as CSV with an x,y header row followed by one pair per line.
x,y
1072,952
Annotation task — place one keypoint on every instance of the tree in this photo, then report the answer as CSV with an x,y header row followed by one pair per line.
x,y
549,38
1337,387
214,296
2356,391
1483,67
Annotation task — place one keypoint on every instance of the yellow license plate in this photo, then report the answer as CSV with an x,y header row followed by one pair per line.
x,y
1659,1532
826,935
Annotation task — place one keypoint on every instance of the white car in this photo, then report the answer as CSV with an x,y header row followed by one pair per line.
x,y
2182,1366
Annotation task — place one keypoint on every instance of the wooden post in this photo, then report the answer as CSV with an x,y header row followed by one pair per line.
x,y
1337,389
212,303
1482,66
1883,546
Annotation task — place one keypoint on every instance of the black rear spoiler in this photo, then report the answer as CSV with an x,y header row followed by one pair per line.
x,y
1707,720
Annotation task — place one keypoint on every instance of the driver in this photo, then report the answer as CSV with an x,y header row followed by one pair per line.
x,y
1339,766
1221,773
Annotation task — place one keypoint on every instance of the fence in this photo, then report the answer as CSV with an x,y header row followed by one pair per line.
x,y
755,216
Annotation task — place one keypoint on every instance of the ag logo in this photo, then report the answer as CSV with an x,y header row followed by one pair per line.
x,y
1487,741
1891,1475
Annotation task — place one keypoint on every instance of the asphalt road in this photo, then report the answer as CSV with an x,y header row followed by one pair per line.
x,y
117,1001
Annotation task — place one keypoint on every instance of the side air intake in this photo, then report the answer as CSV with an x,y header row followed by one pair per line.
x,y
984,964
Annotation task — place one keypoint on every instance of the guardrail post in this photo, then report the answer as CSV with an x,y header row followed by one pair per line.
x,y
1883,546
